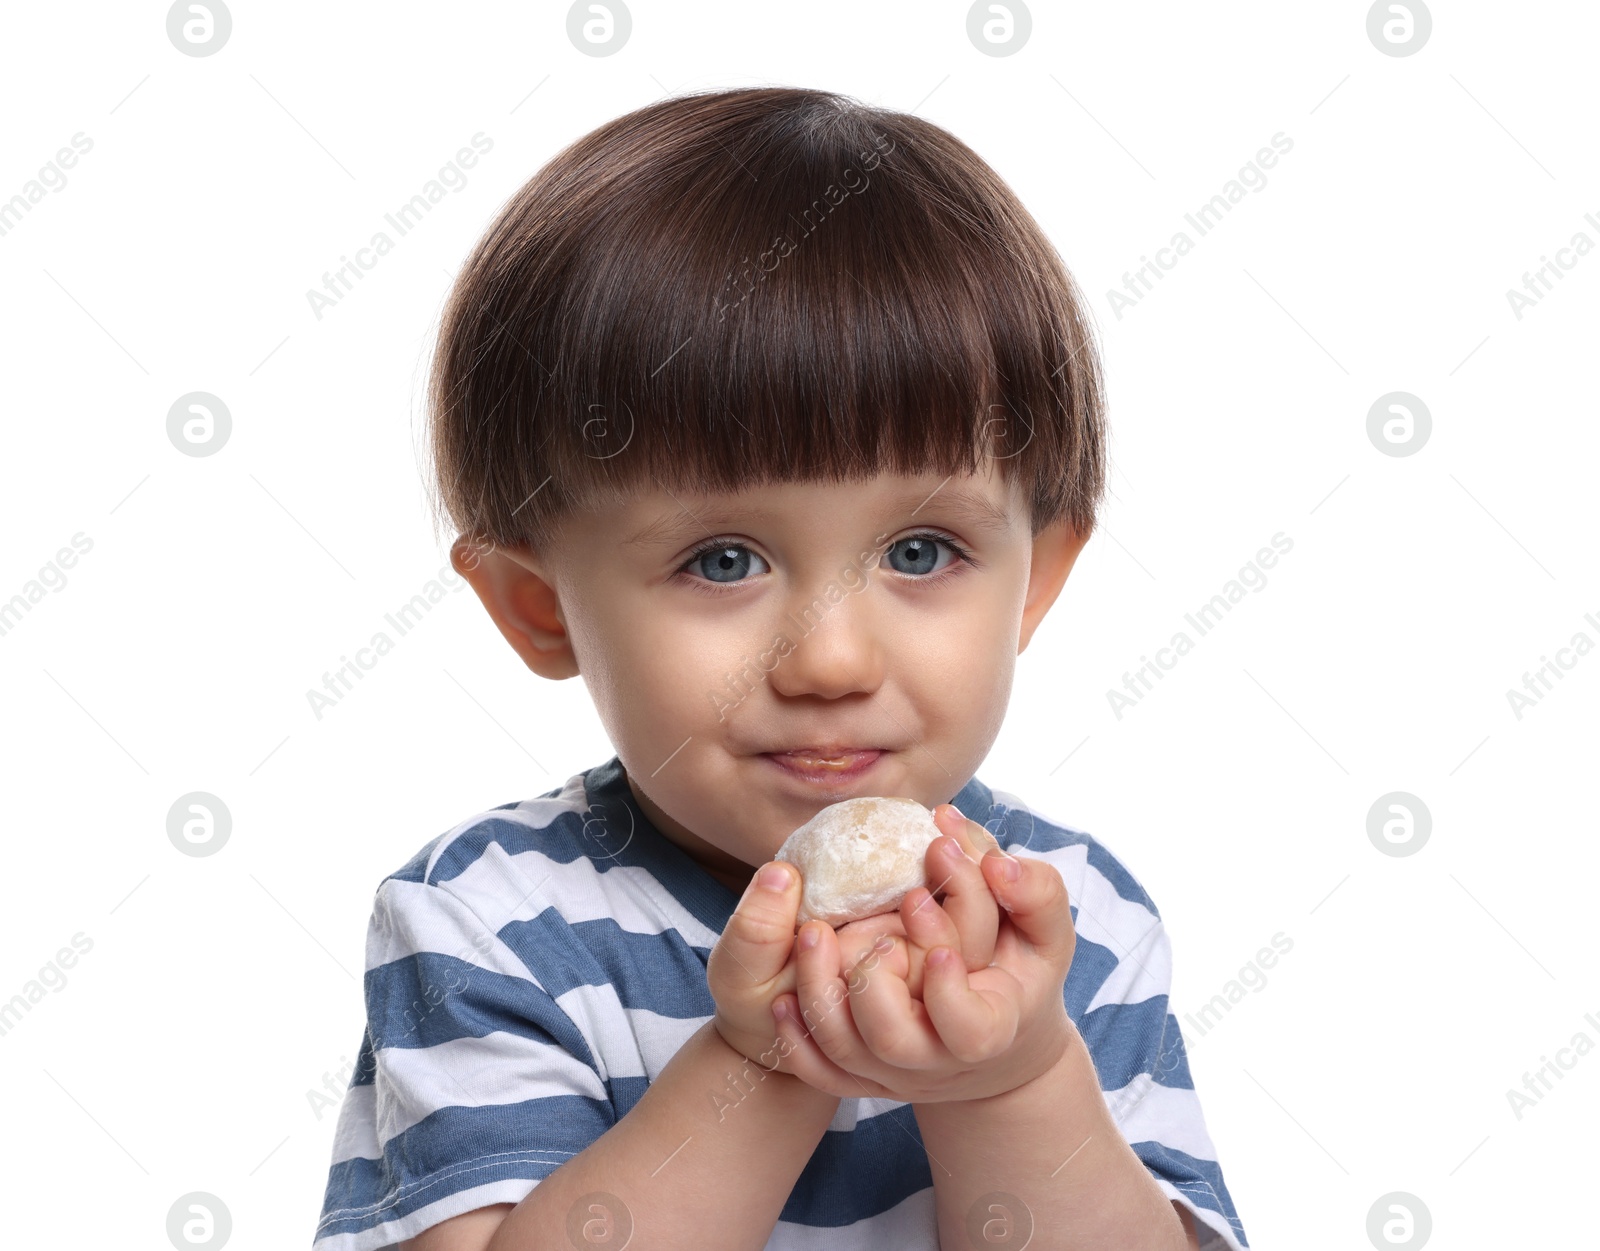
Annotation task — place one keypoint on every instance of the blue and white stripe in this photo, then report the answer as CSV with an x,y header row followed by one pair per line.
x,y
531,971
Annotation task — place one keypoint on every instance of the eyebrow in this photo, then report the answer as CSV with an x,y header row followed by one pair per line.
x,y
970,504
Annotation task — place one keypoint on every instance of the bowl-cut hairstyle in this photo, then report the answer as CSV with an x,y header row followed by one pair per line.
x,y
729,288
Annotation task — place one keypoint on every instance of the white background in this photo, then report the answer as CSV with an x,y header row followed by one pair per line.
x,y
219,990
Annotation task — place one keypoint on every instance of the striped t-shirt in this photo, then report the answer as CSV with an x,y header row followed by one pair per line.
x,y
531,971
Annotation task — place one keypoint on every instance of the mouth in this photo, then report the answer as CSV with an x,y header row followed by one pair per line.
x,y
828,765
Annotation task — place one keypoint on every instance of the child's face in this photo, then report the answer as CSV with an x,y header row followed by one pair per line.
x,y
816,620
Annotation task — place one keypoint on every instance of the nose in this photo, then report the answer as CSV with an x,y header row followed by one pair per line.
x,y
837,648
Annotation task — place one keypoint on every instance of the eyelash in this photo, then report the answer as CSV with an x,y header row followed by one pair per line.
x,y
707,587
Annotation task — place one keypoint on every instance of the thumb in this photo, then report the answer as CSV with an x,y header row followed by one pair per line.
x,y
760,934
1036,900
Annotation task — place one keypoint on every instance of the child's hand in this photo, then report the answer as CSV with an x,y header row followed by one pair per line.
x,y
974,1034
967,901
755,960
752,964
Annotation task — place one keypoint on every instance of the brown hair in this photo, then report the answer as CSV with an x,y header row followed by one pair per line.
x,y
768,284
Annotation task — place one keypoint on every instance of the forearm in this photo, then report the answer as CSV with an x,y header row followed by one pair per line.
x,y
1053,1145
700,1161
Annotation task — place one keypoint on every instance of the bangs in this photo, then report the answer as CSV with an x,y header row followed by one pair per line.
x,y
731,289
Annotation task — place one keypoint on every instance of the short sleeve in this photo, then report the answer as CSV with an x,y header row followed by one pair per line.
x,y
471,1086
1117,992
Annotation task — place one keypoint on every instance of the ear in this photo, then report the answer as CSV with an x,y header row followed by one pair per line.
x,y
1055,551
521,600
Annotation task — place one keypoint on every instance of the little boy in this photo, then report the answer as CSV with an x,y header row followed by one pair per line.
x,y
776,418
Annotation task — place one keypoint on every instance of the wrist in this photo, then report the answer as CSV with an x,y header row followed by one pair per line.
x,y
1044,1090
747,1048
754,1061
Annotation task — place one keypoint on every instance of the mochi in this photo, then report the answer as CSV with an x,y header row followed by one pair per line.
x,y
860,857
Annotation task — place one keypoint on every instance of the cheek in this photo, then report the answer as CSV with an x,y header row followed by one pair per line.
x,y
599,663
980,689
961,662
619,653
656,675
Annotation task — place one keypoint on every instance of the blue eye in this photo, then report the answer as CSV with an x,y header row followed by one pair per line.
x,y
721,561
921,554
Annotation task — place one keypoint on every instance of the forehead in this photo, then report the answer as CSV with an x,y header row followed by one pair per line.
x,y
662,516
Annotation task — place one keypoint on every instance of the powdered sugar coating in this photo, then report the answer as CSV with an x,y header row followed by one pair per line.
x,y
860,857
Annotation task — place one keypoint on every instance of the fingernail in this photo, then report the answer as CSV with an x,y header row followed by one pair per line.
x,y
952,851
780,1010
774,878
809,936
1010,868
938,955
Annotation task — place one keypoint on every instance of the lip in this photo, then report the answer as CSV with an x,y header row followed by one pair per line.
x,y
861,760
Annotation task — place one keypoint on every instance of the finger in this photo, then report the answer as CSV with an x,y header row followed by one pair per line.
x,y
892,1023
806,1060
905,960
879,922
893,955
974,1025
891,951
976,838
760,934
928,925
967,895
1036,899
856,938
824,997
